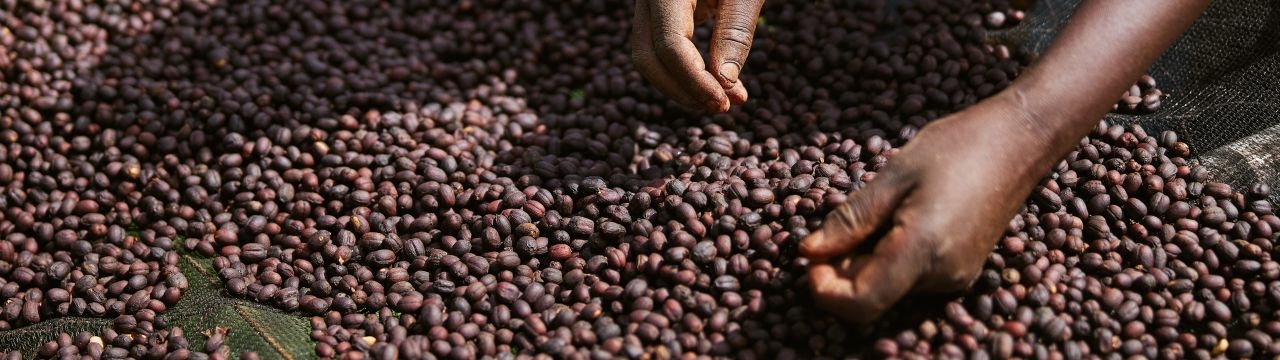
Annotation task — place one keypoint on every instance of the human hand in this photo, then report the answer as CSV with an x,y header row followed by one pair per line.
x,y
663,51
934,212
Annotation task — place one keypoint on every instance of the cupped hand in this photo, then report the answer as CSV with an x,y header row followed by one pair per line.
x,y
663,51
931,215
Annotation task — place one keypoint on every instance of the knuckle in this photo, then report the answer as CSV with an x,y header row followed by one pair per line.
x,y
845,217
921,247
929,237
668,43
940,250
825,288
856,304
948,270
822,291
863,298
736,32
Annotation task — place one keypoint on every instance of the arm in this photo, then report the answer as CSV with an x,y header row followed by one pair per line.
x,y
945,199
1090,61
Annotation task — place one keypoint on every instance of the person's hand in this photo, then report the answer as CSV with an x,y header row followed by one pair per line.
x,y
931,215
663,51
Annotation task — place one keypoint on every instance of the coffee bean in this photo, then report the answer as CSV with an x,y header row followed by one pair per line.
x,y
522,216
761,196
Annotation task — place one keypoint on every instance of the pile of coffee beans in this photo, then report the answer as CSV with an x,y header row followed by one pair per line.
x,y
490,178
1141,98
161,344
83,227
1124,249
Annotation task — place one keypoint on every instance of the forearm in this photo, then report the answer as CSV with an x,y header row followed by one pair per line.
x,y
1093,59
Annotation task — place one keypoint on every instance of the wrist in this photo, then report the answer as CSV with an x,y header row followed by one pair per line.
x,y
1024,137
1051,127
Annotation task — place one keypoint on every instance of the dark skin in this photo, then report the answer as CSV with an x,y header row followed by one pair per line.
x,y
937,209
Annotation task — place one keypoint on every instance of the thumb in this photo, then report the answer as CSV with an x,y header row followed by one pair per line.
x,y
861,288
731,40
858,218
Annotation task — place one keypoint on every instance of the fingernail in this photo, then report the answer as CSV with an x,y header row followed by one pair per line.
x,y
729,72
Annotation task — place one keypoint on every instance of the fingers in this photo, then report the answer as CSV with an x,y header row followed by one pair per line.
x,y
646,60
731,40
849,225
862,288
673,42
737,94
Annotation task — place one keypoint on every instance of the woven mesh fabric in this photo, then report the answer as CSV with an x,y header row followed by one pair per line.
x,y
1221,78
271,333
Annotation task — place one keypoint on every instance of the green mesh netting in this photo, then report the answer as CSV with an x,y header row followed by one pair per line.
x,y
271,333
1221,78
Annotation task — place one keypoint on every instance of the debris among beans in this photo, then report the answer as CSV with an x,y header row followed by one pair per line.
x,y
492,179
